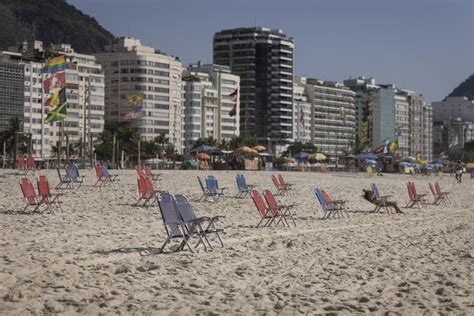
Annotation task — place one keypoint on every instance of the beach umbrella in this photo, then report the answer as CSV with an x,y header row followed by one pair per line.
x,y
259,148
370,162
404,164
288,160
318,156
410,158
203,156
265,154
364,156
301,155
247,150
204,148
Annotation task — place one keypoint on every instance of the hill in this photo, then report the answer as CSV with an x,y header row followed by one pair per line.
x,y
465,89
51,21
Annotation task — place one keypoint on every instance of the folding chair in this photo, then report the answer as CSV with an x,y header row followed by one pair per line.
x,y
436,197
151,175
281,211
111,179
444,195
30,165
73,174
288,187
266,214
205,192
63,180
213,187
140,171
101,178
21,163
146,191
242,187
340,205
381,199
280,190
414,198
189,217
175,227
330,209
32,200
48,198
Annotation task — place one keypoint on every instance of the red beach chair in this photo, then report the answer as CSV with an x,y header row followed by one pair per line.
x,y
414,198
280,189
444,195
282,211
32,200
21,162
101,178
151,175
287,186
266,214
30,164
48,198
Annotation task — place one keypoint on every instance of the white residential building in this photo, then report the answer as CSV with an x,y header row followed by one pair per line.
x,y
302,115
132,69
207,103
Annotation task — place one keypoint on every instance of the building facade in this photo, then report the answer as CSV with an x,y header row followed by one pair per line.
x,y
332,115
301,114
135,69
210,93
12,83
263,59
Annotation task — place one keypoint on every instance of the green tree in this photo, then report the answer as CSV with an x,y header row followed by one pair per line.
x,y
12,138
299,147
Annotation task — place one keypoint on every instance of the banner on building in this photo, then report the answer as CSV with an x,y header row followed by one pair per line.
x,y
54,81
54,84
55,64
134,100
134,114
57,114
233,98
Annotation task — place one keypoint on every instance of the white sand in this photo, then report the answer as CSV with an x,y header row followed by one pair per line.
x,y
90,259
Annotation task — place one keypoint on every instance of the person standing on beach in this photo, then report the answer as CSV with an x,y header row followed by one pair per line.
x,y
459,172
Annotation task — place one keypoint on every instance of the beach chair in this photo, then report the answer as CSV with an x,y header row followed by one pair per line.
x,y
213,187
381,199
111,179
175,227
101,178
51,200
242,187
288,187
30,165
281,211
280,189
64,180
266,215
205,192
189,217
340,205
444,195
31,198
414,198
330,208
146,191
151,175
21,163
436,197
73,174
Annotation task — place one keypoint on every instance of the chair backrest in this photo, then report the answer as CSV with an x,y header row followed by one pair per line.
x,y
149,186
438,188
238,180
211,183
142,190
276,183
148,171
185,209
282,181
20,160
411,193
105,171
139,171
169,213
72,171
326,197
321,199
432,189
259,203
413,189
99,171
30,162
271,201
376,191
244,182
201,185
43,186
28,191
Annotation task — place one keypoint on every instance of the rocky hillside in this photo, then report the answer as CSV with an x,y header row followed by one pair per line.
x,y
465,89
51,21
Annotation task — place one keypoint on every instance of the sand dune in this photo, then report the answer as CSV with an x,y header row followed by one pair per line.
x,y
100,254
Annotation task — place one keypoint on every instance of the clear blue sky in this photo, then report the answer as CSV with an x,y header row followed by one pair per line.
x,y
421,45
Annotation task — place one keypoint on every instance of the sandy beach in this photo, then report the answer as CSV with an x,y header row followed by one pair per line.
x,y
99,256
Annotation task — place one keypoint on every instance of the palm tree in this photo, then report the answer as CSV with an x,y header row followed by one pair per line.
x,y
11,137
162,140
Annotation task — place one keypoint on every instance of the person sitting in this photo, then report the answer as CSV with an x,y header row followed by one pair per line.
x,y
370,196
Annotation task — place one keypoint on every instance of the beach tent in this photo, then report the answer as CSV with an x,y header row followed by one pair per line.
x,y
318,157
301,155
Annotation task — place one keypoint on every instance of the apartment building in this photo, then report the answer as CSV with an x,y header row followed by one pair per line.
x,y
332,115
263,59
12,82
210,104
301,114
135,69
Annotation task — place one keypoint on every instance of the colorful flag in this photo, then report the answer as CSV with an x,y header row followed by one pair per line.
x,y
54,81
134,114
55,64
57,98
135,99
393,146
57,114
233,111
233,99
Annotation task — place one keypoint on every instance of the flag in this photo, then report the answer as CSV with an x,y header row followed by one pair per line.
x,y
379,149
57,98
393,146
135,99
454,142
57,114
134,114
302,117
54,81
233,111
55,64
233,95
